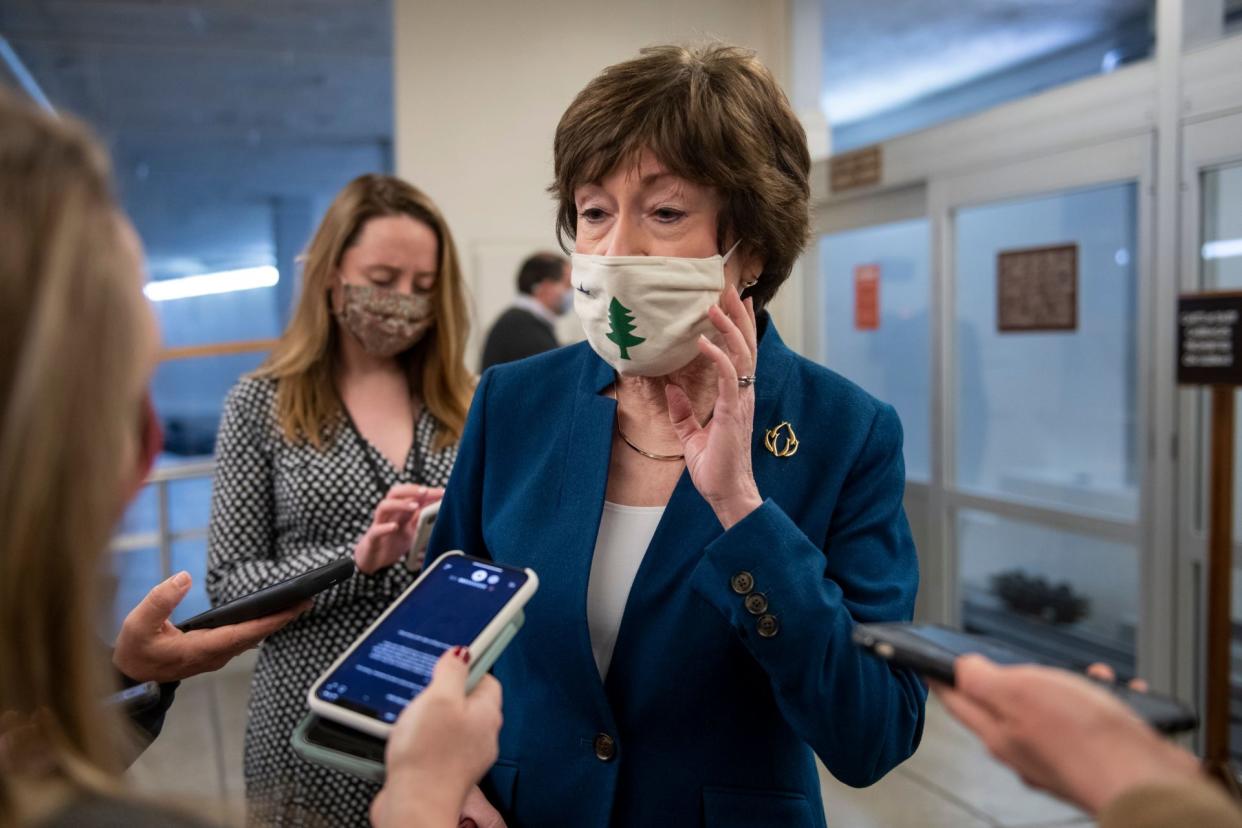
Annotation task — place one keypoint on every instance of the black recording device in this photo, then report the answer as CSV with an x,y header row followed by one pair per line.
x,y
272,599
931,650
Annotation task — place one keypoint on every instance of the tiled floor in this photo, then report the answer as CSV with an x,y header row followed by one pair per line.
x,y
949,783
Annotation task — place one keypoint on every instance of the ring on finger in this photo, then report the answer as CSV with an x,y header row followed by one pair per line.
x,y
746,381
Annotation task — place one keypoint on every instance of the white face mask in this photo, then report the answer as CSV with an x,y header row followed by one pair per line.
x,y
644,314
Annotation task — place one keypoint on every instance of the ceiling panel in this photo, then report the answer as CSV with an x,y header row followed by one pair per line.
x,y
879,55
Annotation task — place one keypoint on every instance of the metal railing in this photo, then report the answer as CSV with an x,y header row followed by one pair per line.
x,y
164,537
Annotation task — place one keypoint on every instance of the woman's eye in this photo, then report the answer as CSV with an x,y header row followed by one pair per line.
x,y
592,214
668,215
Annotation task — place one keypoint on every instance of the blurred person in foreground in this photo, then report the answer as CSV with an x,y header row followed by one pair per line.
x,y
1069,737
78,345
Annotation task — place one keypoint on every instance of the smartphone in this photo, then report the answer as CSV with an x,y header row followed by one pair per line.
x,y
422,536
930,650
272,599
330,735
458,600
135,699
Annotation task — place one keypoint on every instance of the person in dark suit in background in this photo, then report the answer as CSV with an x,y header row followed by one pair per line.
x,y
527,328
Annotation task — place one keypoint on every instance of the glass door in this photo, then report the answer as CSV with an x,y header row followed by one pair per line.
x,y
867,315
1040,369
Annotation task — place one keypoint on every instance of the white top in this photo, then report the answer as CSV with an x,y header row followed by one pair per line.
x,y
625,532
533,305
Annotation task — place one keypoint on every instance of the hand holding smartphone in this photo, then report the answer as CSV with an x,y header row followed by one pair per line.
x,y
931,650
458,600
422,536
394,526
149,647
273,599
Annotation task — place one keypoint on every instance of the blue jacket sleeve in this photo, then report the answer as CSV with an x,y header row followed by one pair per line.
x,y
459,525
861,716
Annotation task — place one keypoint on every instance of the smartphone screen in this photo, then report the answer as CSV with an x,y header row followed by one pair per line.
x,y
456,599
137,698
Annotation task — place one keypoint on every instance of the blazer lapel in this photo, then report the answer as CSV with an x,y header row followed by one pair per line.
x,y
580,506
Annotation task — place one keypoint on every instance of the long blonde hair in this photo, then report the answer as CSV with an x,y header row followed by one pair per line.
x,y
70,390
304,360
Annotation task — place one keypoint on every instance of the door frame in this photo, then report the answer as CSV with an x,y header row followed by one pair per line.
x,y
1207,143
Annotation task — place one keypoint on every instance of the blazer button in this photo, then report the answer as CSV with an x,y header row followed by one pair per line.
x,y
743,582
756,603
605,747
768,626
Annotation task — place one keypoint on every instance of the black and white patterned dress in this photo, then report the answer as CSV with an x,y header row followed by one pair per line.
x,y
279,509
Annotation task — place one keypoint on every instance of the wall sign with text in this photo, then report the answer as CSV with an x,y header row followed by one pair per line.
x,y
1209,339
856,170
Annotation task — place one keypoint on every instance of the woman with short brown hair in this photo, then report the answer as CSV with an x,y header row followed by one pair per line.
x,y
712,116
331,449
709,513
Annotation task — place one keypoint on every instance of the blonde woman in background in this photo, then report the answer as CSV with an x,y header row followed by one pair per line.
x,y
77,348
330,450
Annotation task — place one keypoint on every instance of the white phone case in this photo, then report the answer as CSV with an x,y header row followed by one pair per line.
x,y
498,624
415,558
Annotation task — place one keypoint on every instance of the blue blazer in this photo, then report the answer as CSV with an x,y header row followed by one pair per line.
x,y
710,723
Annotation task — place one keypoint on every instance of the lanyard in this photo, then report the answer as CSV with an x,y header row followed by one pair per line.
x,y
377,473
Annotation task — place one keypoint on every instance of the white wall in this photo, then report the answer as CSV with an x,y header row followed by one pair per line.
x,y
481,85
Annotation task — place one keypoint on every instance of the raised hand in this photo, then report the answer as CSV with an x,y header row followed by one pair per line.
x,y
150,648
392,529
718,454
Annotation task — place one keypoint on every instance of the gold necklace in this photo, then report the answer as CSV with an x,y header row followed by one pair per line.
x,y
616,395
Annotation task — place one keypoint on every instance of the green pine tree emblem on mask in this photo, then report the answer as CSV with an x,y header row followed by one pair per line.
x,y
621,319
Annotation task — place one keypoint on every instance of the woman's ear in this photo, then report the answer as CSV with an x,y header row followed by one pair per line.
x,y
750,268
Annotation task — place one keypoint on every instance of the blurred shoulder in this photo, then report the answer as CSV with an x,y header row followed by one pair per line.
x,y
251,400
252,391
540,377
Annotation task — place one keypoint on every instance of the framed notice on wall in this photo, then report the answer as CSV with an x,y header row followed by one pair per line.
x,y
856,170
1037,289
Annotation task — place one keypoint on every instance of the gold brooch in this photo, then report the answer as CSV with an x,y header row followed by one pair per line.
x,y
772,440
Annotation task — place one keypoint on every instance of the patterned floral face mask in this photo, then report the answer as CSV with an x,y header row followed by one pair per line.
x,y
384,321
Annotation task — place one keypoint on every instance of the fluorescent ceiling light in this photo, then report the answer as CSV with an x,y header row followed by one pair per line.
x,y
1223,249
224,281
